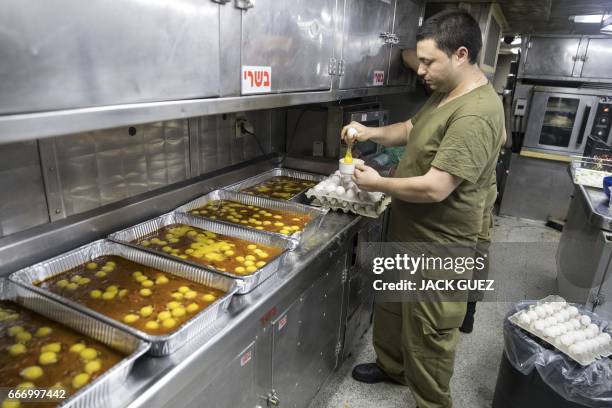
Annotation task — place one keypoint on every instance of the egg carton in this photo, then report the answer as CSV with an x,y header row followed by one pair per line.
x,y
368,204
561,325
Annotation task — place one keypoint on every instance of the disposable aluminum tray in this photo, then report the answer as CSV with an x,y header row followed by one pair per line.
x,y
316,214
98,392
276,172
160,345
245,283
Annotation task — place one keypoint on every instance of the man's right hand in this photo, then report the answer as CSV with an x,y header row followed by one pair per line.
x,y
363,133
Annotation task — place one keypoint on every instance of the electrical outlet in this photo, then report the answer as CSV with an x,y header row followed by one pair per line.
x,y
243,127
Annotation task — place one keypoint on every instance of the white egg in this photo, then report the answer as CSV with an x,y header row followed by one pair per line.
x,y
579,336
330,188
590,345
532,315
539,325
590,333
541,311
550,321
350,194
565,315
575,323
319,187
335,179
549,308
558,317
585,320
561,328
567,340
337,173
572,310
524,318
593,327
340,190
576,348
548,332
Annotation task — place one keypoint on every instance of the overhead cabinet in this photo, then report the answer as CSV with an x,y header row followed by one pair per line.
x,y
574,58
71,54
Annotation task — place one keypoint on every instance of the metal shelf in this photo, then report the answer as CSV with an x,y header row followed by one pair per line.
x,y
28,126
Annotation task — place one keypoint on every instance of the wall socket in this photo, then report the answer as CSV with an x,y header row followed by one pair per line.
x,y
243,127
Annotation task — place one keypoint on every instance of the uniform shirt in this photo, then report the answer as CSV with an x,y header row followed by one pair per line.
x,y
462,137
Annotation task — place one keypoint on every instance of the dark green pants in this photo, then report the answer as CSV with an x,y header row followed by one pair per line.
x,y
415,344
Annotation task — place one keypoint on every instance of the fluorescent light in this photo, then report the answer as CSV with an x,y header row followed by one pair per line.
x,y
589,18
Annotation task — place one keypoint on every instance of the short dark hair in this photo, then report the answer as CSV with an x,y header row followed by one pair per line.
x,y
452,29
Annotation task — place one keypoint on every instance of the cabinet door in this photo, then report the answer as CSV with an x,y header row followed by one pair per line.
x,y
405,25
364,50
72,54
305,338
551,56
598,59
293,39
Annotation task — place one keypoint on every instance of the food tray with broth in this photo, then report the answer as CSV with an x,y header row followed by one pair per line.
x,y
212,242
278,184
62,350
159,300
281,219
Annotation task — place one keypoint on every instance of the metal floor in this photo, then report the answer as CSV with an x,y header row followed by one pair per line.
x,y
478,353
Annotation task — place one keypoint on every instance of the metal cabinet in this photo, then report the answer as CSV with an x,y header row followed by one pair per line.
x,y
551,56
71,54
306,339
598,59
366,36
407,19
586,58
291,41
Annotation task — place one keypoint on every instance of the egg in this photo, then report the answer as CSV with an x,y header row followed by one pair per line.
x,y
585,320
524,318
572,310
550,321
539,325
575,323
549,308
335,180
541,311
593,328
567,340
561,329
577,348
604,339
549,331
350,194
330,188
532,315
318,187
579,336
340,190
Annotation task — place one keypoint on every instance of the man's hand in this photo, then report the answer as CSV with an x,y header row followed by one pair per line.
x,y
363,133
366,178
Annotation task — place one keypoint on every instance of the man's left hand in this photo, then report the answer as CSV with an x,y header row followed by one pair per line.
x,y
367,178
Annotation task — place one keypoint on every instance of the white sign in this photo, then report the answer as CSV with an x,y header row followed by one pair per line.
x,y
378,78
256,79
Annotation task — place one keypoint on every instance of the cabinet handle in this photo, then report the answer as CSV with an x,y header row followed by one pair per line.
x,y
581,130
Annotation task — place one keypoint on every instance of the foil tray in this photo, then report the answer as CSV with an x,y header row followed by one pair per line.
x,y
276,172
98,392
310,229
161,345
245,283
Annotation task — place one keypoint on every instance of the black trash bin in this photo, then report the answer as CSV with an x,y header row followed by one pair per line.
x,y
533,374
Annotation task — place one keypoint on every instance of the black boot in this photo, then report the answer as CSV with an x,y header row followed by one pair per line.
x,y
468,320
371,373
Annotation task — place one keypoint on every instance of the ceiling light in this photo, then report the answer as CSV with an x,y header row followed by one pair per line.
x,y
588,18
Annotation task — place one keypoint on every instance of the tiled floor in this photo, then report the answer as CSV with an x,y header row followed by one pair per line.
x,y
478,353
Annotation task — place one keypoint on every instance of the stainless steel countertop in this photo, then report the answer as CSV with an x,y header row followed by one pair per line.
x,y
598,213
157,381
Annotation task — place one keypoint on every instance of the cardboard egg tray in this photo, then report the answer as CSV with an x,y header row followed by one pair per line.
x,y
331,200
583,359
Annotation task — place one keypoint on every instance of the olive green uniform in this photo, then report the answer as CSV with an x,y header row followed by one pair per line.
x,y
415,342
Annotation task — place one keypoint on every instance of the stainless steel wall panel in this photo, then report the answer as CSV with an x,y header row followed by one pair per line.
x,y
111,54
22,198
598,59
98,168
363,49
294,38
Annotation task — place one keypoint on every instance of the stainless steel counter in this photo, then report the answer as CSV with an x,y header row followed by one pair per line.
x,y
598,212
182,378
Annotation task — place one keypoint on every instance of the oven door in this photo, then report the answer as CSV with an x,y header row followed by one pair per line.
x,y
557,122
